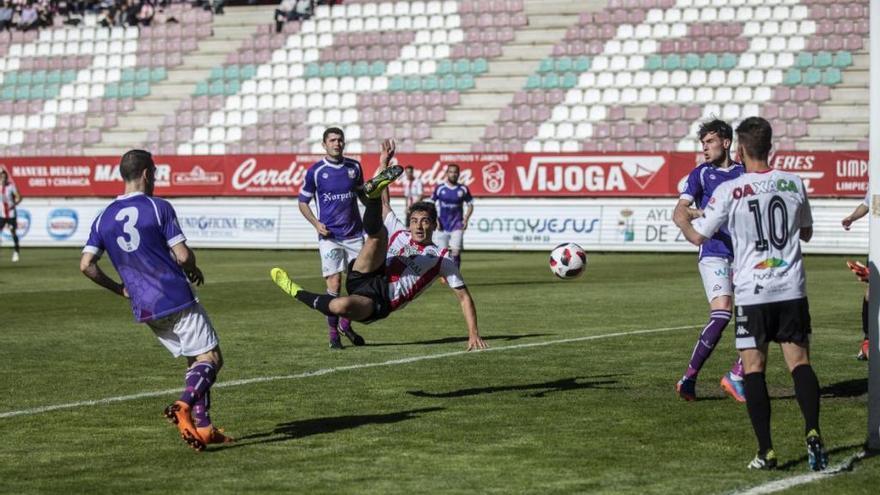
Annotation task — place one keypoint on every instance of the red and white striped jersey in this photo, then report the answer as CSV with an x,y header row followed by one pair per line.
x,y
412,267
7,199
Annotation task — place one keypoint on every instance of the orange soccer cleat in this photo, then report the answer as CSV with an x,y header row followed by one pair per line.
x,y
861,271
211,434
178,414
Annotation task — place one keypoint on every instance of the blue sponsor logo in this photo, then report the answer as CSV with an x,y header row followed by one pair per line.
x,y
24,225
62,223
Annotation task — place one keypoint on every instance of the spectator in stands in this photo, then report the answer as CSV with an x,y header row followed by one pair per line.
x,y
145,13
6,12
28,19
283,13
292,10
130,12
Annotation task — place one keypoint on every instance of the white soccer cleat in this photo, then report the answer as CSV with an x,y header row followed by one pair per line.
x,y
14,257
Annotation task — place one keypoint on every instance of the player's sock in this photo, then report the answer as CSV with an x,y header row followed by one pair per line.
x,y
372,217
321,302
344,323
865,317
15,241
709,338
758,405
200,410
737,370
457,259
199,378
806,389
333,320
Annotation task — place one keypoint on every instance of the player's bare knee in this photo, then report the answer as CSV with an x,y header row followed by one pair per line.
x,y
214,356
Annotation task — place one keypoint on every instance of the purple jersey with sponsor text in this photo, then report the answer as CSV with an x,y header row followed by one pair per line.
x,y
333,186
450,202
137,232
701,183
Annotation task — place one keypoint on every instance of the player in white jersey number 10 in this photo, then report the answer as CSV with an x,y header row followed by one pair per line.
x,y
767,214
396,264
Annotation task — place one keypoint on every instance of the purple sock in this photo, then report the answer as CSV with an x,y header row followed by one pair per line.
x,y
333,321
737,368
709,338
344,323
199,378
200,410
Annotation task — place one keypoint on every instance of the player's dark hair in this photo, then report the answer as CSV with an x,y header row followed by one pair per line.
x,y
721,128
453,165
409,167
755,135
332,130
424,206
133,164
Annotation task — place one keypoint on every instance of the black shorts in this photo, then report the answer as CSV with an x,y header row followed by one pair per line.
x,y
373,285
783,321
11,221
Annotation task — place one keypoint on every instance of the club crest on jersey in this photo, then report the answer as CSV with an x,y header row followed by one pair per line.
x,y
766,186
352,173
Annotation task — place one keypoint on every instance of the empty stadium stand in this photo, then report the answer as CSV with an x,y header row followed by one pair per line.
x,y
491,75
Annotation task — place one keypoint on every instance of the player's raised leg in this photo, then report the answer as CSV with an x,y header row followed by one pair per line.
x,y
369,259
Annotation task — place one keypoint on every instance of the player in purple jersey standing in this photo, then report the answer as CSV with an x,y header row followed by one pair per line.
x,y
455,206
715,256
143,239
768,214
332,183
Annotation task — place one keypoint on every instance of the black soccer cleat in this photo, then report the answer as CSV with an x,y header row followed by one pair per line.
x,y
352,336
373,188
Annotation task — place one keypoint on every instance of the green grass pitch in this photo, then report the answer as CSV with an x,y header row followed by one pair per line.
x,y
582,416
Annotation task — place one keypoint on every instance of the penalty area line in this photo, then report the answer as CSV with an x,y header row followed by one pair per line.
x,y
802,479
327,371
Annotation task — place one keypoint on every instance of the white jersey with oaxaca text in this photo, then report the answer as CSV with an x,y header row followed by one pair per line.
x,y
7,200
412,267
764,212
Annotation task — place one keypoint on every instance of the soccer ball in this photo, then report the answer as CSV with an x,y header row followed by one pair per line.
x,y
568,260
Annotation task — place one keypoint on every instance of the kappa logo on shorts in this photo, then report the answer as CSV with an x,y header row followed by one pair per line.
x,y
741,331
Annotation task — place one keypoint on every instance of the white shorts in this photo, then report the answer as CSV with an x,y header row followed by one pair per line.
x,y
453,239
336,254
187,332
717,275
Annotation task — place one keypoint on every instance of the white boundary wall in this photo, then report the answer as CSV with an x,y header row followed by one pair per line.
x,y
497,224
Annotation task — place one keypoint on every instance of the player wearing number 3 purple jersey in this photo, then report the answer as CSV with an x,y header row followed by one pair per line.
x,y
767,214
143,240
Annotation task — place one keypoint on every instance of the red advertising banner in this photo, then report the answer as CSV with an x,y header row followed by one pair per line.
x,y
826,173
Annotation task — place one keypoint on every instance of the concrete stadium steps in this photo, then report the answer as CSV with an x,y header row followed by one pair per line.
x,y
479,107
229,30
844,119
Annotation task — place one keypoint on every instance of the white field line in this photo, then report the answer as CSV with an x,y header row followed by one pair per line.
x,y
326,371
803,479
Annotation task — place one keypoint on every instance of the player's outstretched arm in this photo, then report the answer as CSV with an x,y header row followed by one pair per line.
x,y
88,265
386,152
187,260
469,310
858,213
